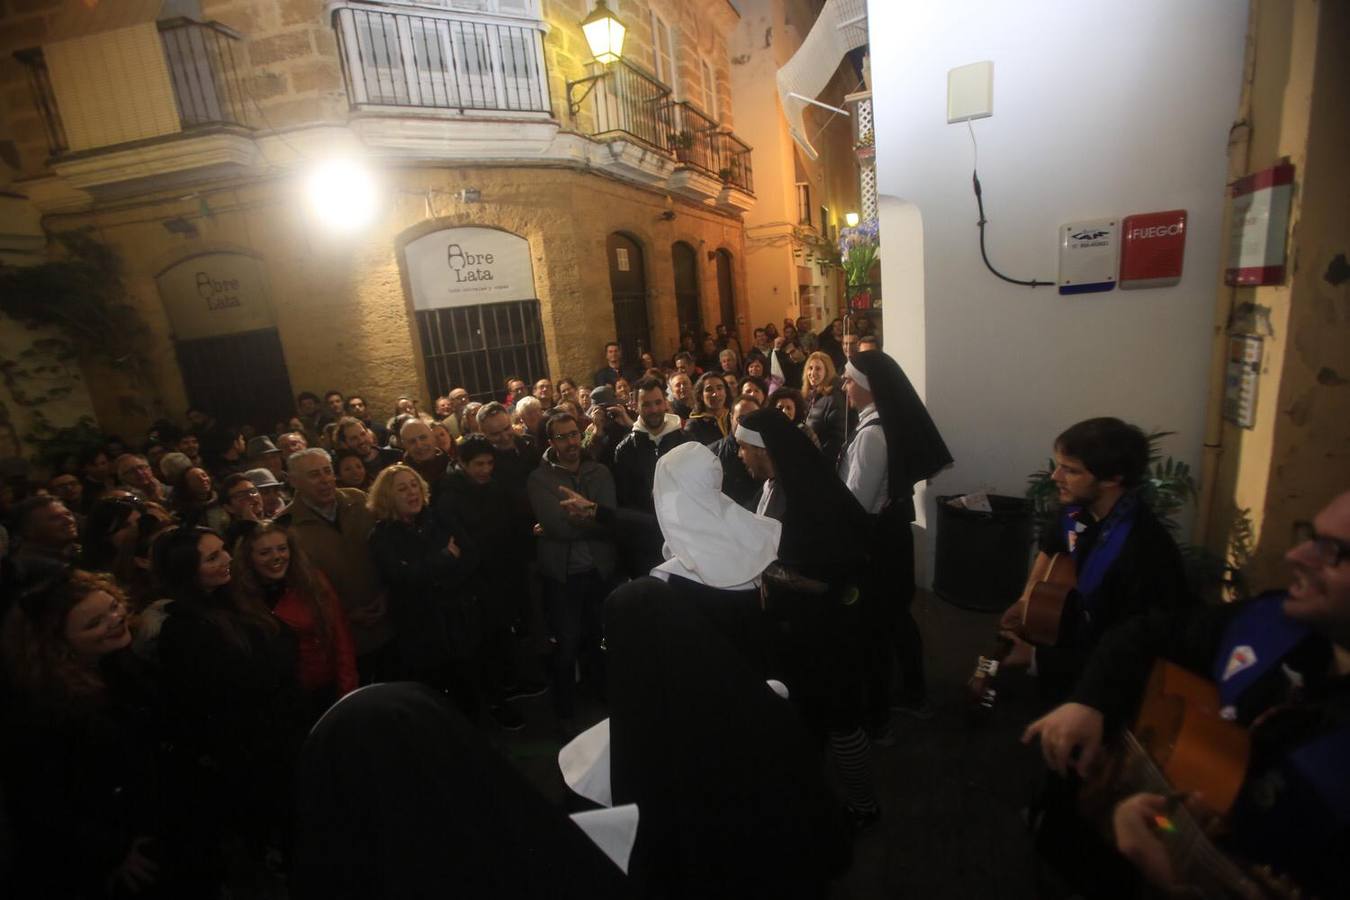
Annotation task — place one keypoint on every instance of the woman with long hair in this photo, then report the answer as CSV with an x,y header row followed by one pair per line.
x,y
229,668
109,538
711,416
425,562
88,776
826,411
790,402
270,570
195,501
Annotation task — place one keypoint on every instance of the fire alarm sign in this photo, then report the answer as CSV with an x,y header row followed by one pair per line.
x,y
1152,250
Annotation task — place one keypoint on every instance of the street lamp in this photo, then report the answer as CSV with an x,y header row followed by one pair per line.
x,y
851,219
604,33
342,194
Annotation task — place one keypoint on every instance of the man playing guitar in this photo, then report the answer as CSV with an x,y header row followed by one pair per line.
x,y
1125,560
1281,663
1125,564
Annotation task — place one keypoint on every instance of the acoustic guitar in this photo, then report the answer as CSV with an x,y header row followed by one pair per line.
x,y
1042,619
1180,745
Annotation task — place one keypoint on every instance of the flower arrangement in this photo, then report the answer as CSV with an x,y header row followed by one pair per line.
x,y
859,247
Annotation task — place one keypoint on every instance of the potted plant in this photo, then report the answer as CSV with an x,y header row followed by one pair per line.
x,y
682,142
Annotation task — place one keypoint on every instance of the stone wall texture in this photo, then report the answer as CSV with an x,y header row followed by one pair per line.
x,y
343,311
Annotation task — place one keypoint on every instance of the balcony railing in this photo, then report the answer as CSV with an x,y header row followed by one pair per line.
x,y
626,100
433,62
40,82
698,141
734,163
205,72
202,67
694,138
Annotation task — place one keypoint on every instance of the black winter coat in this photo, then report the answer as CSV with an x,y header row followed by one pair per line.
x,y
737,483
635,466
431,602
1148,576
828,417
501,534
703,429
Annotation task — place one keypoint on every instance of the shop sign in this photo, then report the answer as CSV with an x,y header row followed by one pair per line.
x,y
214,294
469,266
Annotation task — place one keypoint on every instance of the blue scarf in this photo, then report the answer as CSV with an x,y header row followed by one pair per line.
x,y
1115,530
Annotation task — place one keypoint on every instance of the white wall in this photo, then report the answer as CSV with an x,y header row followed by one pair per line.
x,y
1100,109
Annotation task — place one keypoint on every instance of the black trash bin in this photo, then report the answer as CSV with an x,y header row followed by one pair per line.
x,y
982,557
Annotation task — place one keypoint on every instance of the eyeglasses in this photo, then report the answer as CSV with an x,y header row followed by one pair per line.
x,y
1330,551
252,492
566,436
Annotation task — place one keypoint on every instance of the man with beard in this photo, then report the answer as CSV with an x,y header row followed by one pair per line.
x,y
354,436
655,433
576,559
812,593
1127,563
48,529
356,408
896,445
1281,664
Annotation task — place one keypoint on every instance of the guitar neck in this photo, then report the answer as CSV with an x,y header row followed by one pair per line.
x,y
1198,864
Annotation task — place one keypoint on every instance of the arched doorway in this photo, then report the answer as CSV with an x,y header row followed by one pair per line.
x,y
725,298
628,288
687,309
225,338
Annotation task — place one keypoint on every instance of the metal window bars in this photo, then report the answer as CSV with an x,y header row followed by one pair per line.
x,y
205,73
479,347
200,57
435,62
39,81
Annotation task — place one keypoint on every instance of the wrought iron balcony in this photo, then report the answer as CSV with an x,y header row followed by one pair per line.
x,y
452,63
202,68
205,72
627,101
698,141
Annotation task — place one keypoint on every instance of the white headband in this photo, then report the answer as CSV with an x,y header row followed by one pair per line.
x,y
746,436
852,372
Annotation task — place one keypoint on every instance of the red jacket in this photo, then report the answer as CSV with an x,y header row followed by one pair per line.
x,y
320,667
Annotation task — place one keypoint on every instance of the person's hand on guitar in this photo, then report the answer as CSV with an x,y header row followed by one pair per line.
x,y
1135,826
1064,730
1010,628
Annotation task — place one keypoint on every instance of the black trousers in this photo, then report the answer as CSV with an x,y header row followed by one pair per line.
x,y
893,636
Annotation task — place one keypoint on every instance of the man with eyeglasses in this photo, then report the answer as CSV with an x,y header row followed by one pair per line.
x,y
241,498
576,556
1281,663
134,471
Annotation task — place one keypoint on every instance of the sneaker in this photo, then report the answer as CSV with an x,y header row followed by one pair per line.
x,y
916,709
525,690
506,717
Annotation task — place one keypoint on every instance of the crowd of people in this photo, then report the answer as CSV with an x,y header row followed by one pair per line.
x,y
718,547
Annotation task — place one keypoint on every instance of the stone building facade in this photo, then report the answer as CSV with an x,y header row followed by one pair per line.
x,y
611,199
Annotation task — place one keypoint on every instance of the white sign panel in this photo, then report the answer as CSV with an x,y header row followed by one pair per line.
x,y
215,293
469,266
